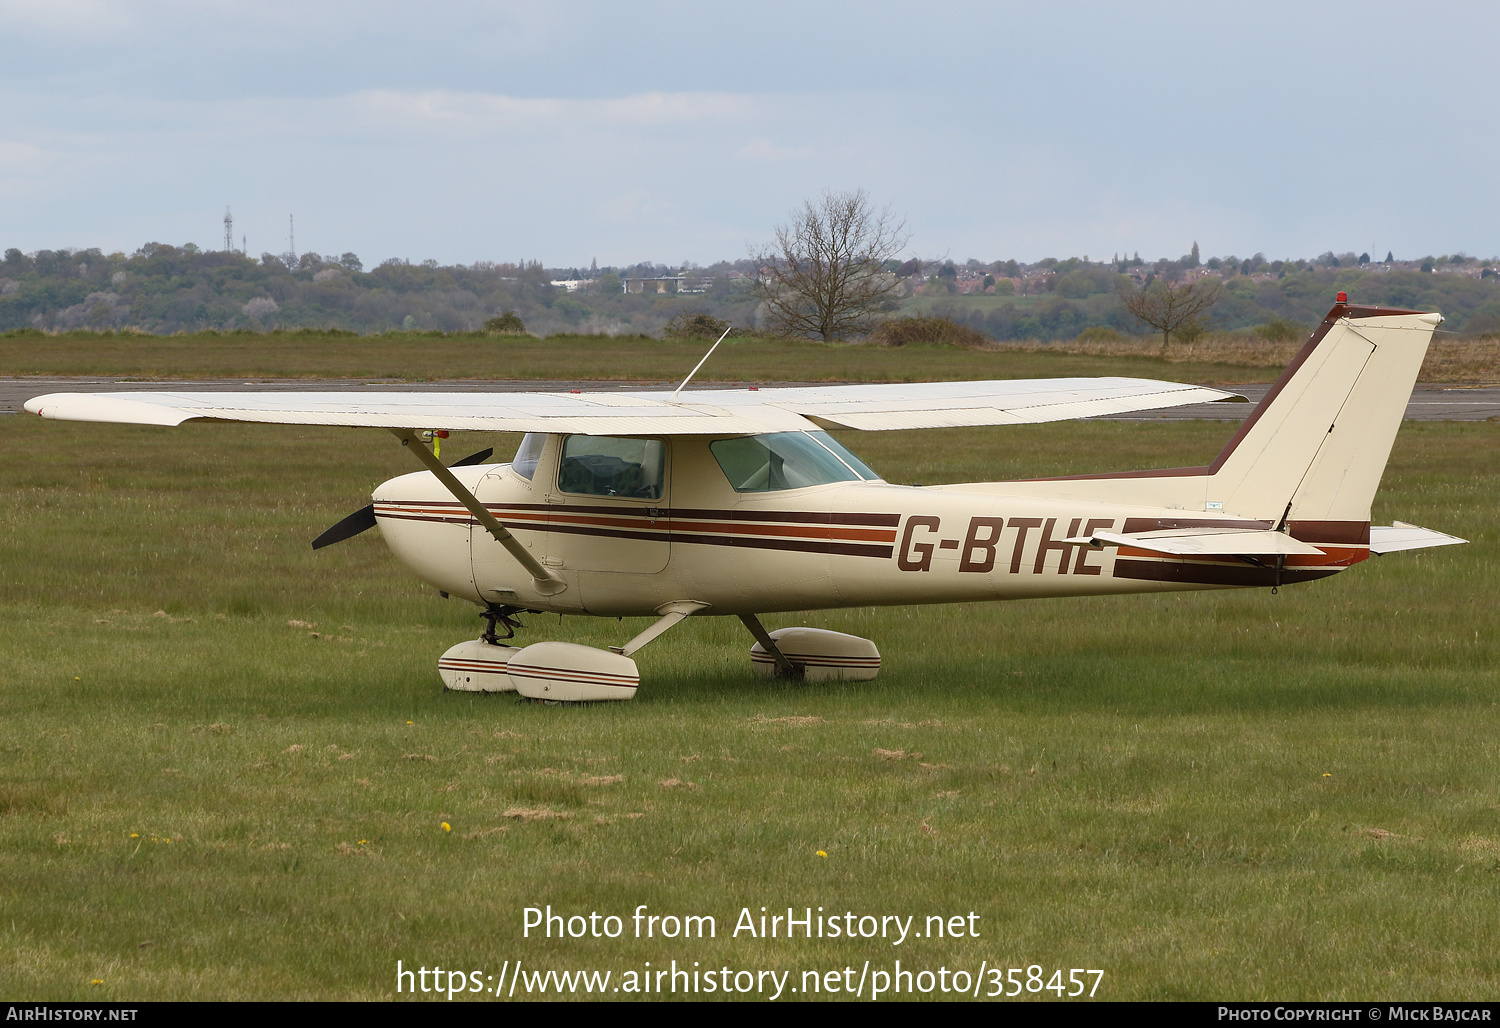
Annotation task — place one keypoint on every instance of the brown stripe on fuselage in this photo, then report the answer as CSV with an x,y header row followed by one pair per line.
x,y
682,513
1328,558
794,517
817,525
1320,532
438,519
683,528
1134,525
799,545
1347,533
1196,573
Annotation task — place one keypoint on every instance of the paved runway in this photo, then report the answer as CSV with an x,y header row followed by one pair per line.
x,y
1428,402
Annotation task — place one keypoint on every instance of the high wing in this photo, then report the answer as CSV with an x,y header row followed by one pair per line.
x,y
700,412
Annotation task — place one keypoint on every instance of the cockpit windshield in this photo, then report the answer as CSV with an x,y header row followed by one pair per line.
x,y
527,454
787,460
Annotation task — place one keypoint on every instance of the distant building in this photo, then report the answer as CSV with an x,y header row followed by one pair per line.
x,y
666,284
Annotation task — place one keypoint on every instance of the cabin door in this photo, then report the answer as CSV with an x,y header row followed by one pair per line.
x,y
607,507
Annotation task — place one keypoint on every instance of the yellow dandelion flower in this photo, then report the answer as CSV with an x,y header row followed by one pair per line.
x,y
97,981
821,853
135,835
409,722
363,841
447,827
1327,775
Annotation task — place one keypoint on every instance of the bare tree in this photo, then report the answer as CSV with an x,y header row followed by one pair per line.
x,y
825,273
1168,308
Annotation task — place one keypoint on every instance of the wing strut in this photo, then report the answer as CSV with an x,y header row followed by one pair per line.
x,y
769,645
671,613
546,581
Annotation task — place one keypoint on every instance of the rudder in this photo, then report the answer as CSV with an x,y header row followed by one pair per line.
x,y
1315,448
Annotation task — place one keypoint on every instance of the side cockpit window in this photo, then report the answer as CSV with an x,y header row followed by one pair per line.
x,y
787,460
603,465
527,454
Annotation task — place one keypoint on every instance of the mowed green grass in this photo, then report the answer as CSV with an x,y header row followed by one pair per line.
x,y
630,358
1209,795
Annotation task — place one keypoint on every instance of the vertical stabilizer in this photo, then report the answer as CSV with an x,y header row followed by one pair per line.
x,y
1316,446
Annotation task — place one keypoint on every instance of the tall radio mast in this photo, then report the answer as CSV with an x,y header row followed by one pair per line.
x,y
291,236
228,230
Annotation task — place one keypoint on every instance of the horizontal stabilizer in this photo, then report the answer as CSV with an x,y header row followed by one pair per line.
x,y
1401,536
1203,542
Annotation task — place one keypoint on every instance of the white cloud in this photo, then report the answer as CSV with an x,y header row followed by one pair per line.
x,y
635,207
763,149
482,113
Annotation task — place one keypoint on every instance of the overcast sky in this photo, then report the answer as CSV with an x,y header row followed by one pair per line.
x,y
564,132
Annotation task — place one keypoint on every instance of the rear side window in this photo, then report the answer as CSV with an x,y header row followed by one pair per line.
x,y
604,465
786,460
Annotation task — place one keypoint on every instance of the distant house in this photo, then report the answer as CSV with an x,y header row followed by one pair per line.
x,y
664,284
667,284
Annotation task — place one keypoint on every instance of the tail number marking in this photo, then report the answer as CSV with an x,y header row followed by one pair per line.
x,y
917,556
977,553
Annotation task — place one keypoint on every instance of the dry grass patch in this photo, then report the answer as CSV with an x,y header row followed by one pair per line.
x,y
30,798
537,814
602,780
480,833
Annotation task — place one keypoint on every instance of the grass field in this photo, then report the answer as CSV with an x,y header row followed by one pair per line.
x,y
633,358
1218,358
1214,795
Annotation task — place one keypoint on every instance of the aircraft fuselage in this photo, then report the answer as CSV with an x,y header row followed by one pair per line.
x,y
843,544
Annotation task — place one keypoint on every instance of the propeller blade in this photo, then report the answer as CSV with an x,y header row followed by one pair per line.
x,y
474,458
355,523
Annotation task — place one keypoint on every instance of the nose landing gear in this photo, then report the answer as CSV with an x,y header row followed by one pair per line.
x,y
479,665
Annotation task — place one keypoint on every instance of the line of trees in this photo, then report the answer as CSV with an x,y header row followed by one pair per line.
x,y
162,288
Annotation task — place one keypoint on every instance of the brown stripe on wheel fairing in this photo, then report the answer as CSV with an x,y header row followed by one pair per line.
x,y
1215,574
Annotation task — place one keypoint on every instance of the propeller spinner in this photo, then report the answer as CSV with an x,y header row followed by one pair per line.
x,y
364,518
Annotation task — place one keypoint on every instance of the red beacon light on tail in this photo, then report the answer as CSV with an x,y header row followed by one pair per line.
x,y
1343,297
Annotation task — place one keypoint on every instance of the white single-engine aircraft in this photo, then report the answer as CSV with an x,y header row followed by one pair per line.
x,y
737,502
